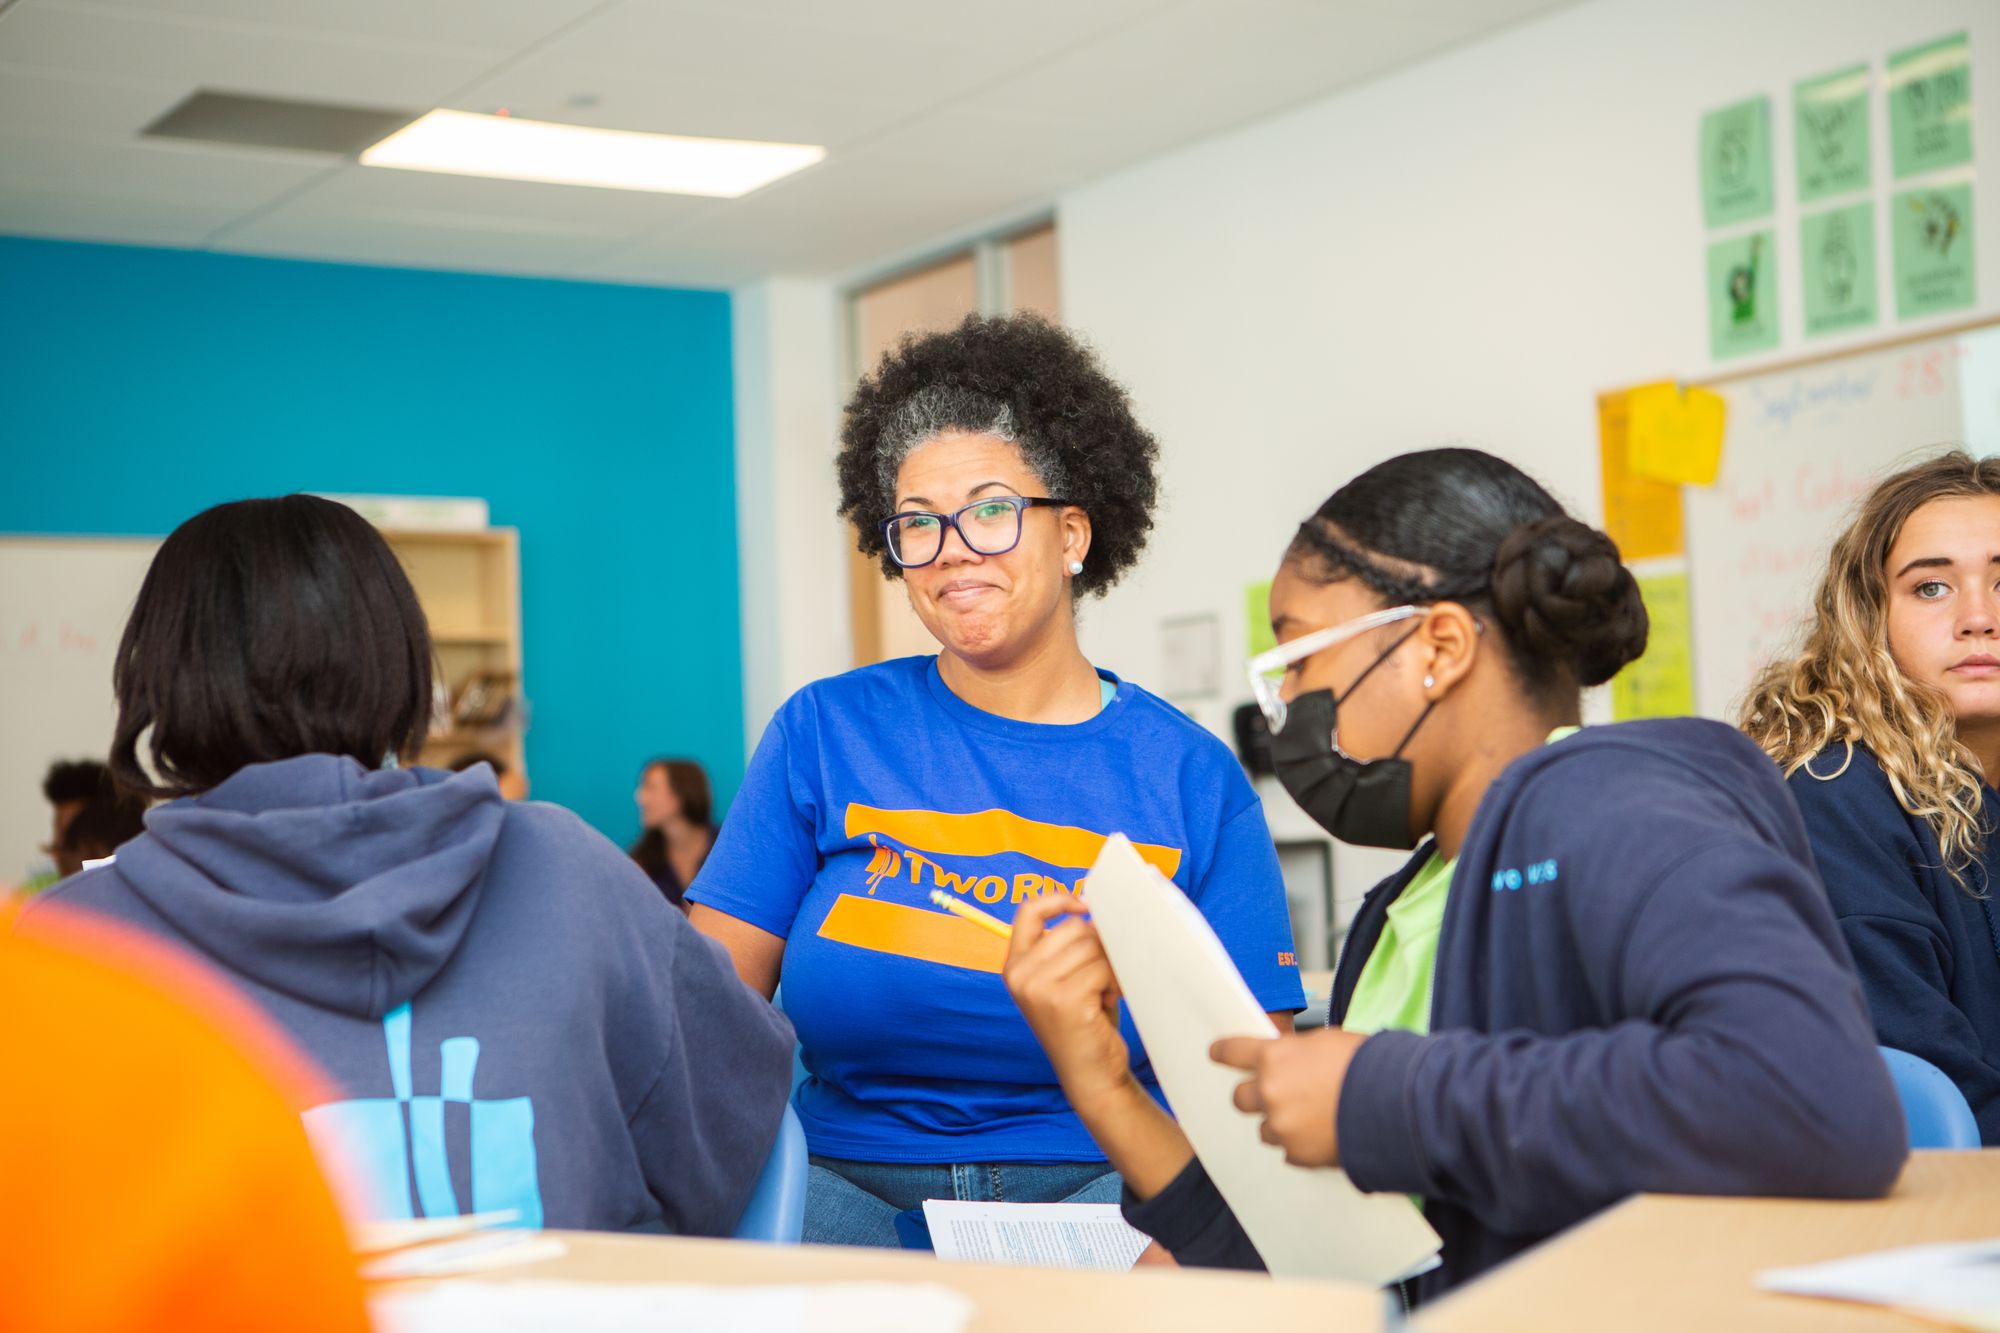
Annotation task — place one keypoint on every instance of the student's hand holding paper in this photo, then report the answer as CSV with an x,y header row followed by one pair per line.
x,y
1061,978
1062,982
1295,1085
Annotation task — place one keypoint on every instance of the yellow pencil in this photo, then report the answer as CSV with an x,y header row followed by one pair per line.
x,y
972,914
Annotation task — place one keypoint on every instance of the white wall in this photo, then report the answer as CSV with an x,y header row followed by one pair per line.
x,y
793,565
1465,252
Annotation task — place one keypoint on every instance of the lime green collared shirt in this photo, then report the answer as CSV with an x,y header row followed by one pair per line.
x,y
1394,988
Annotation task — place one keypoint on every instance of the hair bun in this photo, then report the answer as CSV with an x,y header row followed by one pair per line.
x,y
1562,594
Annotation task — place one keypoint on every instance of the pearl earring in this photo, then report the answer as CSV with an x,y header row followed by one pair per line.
x,y
1430,682
1076,567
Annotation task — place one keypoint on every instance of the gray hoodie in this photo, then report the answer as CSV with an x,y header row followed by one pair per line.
x,y
517,1018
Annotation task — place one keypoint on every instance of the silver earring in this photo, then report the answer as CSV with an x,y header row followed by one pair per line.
x,y
1430,682
1076,567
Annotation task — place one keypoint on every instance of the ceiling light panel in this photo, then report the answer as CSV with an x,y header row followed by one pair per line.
x,y
464,143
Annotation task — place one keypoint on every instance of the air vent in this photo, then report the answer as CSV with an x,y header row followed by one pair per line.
x,y
270,122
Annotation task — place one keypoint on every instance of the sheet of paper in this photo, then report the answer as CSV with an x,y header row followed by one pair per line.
x,y
1184,994
381,1236
474,1254
1736,162
1837,258
1830,133
1675,433
1957,1283
1661,682
1930,106
1042,1235
1642,515
1932,234
619,1307
1743,295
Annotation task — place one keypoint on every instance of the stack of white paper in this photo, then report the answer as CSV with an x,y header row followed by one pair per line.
x,y
1185,995
1957,1284
1042,1235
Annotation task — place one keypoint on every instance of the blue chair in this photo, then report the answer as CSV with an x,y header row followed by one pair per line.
x,y
1937,1112
777,1208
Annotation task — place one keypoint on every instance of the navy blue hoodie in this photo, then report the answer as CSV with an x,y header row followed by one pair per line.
x,y
1927,947
516,1016
1639,987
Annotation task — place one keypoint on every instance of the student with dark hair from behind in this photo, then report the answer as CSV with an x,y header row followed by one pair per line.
x,y
1608,967
92,818
676,811
399,922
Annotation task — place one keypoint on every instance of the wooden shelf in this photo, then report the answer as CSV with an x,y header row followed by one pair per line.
x,y
469,586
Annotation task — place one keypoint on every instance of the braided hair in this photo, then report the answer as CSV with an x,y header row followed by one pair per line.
x,y
1458,525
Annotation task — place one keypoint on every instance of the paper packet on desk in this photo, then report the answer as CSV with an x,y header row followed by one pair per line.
x,y
1956,1284
1185,994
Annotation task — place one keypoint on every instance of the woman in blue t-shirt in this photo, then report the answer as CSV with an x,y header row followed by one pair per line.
x,y
1000,473
1886,722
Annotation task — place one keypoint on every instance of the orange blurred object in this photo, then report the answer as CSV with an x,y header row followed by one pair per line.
x,y
157,1173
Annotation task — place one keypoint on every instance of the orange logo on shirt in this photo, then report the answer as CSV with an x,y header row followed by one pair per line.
x,y
931,936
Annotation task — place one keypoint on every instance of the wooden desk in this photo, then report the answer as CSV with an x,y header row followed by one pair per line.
x,y
1665,1262
1009,1300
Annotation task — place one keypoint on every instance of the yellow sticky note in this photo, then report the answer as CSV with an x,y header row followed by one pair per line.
x,y
1642,515
1661,683
1675,434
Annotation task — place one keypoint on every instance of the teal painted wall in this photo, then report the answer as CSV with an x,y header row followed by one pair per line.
x,y
140,386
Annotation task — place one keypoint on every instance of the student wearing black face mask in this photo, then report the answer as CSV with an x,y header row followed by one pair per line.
x,y
1609,967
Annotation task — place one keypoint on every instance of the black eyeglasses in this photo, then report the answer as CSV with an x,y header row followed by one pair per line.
x,y
987,527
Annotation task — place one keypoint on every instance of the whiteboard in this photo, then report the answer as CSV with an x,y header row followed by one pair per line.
x,y
1800,447
63,605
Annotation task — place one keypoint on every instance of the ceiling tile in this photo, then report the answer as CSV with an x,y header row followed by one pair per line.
x,y
941,118
797,71
473,25
153,169
34,101
479,202
40,211
409,241
230,58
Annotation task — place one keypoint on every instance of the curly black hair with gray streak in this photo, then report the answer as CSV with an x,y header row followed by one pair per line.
x,y
1024,380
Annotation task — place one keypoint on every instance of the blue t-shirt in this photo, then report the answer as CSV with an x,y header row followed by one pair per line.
x,y
873,788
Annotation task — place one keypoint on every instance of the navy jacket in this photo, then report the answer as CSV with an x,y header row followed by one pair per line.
x,y
1928,948
514,1015
1639,987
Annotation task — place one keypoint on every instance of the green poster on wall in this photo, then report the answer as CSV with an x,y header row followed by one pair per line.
x,y
1930,106
1736,162
1743,295
1257,618
1830,133
1661,682
1932,230
1837,257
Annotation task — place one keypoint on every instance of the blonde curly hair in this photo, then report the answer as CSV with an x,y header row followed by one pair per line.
x,y
1843,685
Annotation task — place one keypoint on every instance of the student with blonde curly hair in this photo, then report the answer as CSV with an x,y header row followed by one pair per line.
x,y
1887,725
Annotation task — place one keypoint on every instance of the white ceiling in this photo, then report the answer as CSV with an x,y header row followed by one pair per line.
x,y
940,116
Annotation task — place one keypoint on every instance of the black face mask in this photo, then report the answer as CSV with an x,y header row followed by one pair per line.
x,y
1367,804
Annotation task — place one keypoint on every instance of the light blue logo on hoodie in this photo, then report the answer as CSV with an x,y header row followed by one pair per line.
x,y
390,1140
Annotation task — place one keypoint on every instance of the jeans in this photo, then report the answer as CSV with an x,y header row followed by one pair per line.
x,y
855,1203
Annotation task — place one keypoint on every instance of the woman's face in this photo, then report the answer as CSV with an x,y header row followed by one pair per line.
x,y
1372,721
986,609
656,798
1944,603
